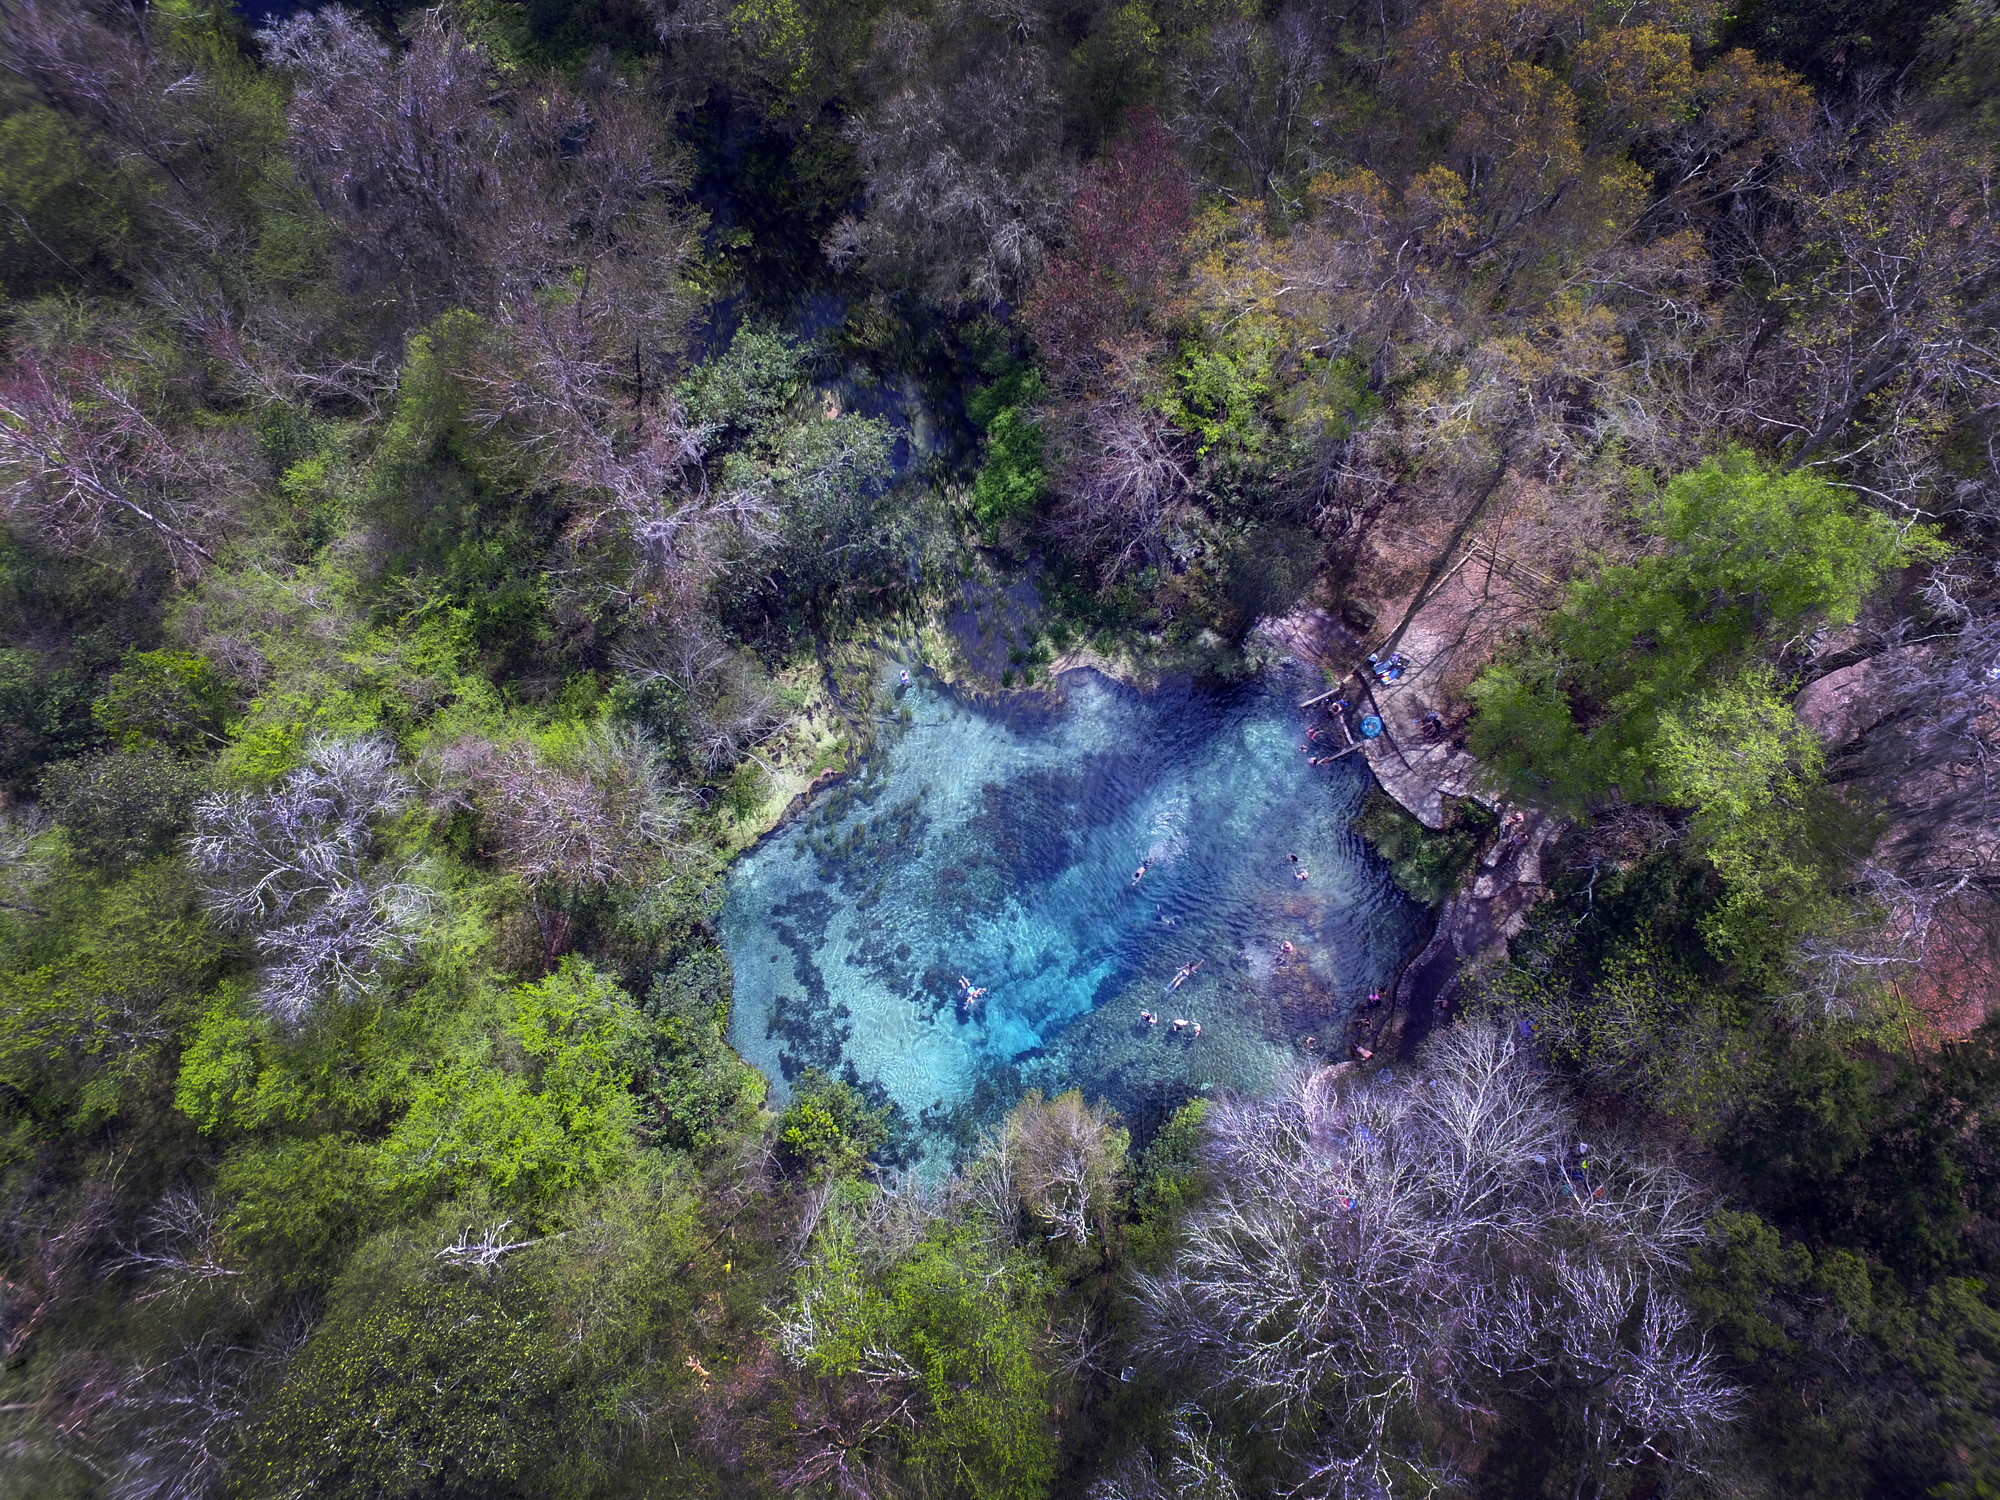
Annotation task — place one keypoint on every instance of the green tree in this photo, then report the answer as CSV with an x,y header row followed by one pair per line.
x,y
952,1328
90,996
426,1381
1752,774
1741,558
1012,482
697,1086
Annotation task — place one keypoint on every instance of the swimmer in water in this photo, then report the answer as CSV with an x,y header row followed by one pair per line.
x,y
1197,1028
906,679
1179,1024
1138,874
1151,1019
1301,874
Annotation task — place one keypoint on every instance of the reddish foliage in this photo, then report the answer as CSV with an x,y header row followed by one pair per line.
x,y
1125,234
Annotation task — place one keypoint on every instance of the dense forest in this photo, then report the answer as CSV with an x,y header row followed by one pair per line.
x,y
464,467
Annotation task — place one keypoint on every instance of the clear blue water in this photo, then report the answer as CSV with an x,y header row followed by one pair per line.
x,y
996,842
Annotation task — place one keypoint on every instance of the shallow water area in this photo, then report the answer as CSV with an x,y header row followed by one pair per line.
x,y
993,845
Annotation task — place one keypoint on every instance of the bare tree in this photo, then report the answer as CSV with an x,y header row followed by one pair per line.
x,y
52,1245
488,1250
1640,1391
1065,1159
148,107
448,186
1125,491
83,464
967,177
180,1421
23,866
1244,96
1891,318
1381,1257
179,1248
721,704
292,866
1924,923
603,815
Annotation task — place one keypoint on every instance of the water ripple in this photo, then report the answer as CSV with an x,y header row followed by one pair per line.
x,y
995,845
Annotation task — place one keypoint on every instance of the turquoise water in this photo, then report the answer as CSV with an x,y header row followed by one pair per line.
x,y
996,842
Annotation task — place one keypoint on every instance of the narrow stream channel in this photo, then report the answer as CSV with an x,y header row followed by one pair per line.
x,y
996,842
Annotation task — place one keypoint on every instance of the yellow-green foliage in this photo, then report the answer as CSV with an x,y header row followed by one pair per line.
x,y
1737,756
90,996
547,1111
964,1316
173,698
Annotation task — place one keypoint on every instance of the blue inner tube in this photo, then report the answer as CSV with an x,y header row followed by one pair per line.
x,y
1371,727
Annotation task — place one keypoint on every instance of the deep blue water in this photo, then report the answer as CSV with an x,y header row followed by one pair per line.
x,y
996,841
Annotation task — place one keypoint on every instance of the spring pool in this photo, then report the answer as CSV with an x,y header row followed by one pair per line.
x,y
995,842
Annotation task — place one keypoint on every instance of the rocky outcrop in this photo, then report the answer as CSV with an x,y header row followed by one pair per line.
x,y
1848,702
1474,927
1416,762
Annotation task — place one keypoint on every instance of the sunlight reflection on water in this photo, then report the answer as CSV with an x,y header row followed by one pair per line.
x,y
996,843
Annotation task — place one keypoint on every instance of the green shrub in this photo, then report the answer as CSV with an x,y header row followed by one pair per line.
x,y
120,808
697,1085
171,698
1427,863
829,1124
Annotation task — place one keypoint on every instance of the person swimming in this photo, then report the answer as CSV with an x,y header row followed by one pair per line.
x,y
1186,973
1197,1027
1301,874
1138,874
